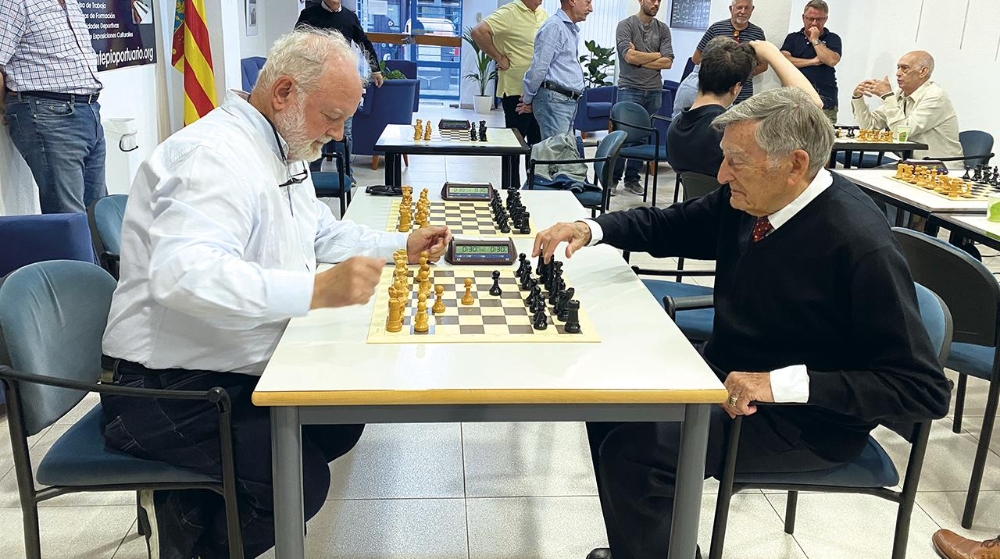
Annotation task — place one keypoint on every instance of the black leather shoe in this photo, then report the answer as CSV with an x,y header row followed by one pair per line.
x,y
599,553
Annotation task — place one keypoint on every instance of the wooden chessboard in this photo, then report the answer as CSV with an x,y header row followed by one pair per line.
x,y
462,218
980,191
503,319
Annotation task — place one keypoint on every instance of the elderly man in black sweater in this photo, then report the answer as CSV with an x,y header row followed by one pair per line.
x,y
814,304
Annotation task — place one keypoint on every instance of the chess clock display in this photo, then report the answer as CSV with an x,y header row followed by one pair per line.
x,y
469,192
475,252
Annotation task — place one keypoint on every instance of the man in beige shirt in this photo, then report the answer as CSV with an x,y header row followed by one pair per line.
x,y
508,37
919,104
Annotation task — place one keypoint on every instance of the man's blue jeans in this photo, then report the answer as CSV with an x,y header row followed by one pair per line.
x,y
554,112
63,144
651,101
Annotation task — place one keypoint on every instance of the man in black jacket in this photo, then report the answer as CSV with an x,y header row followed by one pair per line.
x,y
814,304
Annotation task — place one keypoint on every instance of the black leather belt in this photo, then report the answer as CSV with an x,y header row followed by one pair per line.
x,y
68,97
574,95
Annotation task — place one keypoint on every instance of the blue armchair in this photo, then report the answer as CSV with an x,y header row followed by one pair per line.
x,y
393,103
34,238
250,69
593,109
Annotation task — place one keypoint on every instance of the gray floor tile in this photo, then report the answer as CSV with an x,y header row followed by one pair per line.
x,y
754,529
69,532
401,461
527,459
829,526
948,461
414,529
946,509
540,528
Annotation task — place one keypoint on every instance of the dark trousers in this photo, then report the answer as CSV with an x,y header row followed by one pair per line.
x,y
524,123
636,467
186,434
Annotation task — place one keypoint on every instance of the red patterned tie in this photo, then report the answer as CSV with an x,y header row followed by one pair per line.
x,y
761,228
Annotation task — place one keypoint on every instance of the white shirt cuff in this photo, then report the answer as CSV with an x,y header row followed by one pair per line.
x,y
790,384
596,233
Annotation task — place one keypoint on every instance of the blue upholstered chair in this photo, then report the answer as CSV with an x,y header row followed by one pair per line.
x,y
973,295
52,315
594,108
105,216
633,119
335,184
393,103
872,473
34,238
688,68
977,145
250,69
597,196
407,67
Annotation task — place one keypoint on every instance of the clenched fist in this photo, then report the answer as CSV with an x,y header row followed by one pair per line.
x,y
352,282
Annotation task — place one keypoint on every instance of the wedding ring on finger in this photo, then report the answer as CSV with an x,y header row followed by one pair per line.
x,y
732,400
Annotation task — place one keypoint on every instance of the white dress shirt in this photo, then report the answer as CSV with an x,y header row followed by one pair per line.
x,y
928,113
216,257
791,383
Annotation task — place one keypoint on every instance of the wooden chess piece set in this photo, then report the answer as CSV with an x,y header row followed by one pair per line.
x,y
420,131
927,177
406,215
399,294
881,136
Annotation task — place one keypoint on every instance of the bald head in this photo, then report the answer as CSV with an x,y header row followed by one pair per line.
x,y
913,70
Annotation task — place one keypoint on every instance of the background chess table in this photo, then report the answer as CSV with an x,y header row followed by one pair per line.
x,y
491,319
980,191
462,218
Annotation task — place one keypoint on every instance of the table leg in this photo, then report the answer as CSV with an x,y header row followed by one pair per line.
x,y
506,164
286,464
908,154
848,155
390,170
690,477
397,165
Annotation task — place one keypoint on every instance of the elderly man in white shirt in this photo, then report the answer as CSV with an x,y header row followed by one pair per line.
x,y
919,104
220,242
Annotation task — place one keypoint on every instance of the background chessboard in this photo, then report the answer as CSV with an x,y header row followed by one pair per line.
x,y
980,191
462,218
496,137
503,319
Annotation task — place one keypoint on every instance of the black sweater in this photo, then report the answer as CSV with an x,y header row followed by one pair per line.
x,y
346,22
829,289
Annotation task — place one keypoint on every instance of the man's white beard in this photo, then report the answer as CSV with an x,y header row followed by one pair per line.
x,y
291,124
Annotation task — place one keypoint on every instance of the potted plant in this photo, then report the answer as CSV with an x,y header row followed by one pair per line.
x,y
596,62
485,71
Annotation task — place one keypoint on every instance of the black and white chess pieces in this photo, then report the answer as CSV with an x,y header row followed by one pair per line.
x,y
482,130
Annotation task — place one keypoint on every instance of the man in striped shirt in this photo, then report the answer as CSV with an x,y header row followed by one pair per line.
x,y
738,27
49,70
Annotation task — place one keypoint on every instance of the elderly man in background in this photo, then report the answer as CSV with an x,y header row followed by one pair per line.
x,y
919,104
815,51
220,243
554,81
508,37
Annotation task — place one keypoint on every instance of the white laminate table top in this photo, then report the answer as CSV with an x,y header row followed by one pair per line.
x,y
323,358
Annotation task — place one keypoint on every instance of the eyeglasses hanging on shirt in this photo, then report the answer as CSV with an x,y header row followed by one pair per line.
x,y
294,177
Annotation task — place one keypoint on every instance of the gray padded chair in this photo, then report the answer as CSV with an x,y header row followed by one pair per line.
x,y
52,318
973,295
105,216
872,473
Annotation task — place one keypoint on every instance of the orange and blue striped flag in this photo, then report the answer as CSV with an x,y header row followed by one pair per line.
x,y
192,56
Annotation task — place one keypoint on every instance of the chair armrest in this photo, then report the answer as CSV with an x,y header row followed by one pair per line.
x,y
693,273
215,395
637,126
533,162
674,304
963,158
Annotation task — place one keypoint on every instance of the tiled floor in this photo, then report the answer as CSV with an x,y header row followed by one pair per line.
x,y
499,491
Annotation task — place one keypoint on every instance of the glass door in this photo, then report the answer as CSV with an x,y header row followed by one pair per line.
x,y
427,32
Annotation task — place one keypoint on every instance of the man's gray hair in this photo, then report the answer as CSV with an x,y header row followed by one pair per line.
x,y
787,121
817,5
303,55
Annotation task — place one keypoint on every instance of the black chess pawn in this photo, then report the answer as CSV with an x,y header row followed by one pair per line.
x,y
573,317
526,278
966,176
495,290
482,131
536,292
540,321
977,173
538,304
504,227
472,134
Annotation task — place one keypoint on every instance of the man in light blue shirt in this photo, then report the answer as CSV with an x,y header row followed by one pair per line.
x,y
687,91
554,81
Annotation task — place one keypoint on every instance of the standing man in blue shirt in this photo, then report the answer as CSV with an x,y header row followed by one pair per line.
x,y
554,81
815,50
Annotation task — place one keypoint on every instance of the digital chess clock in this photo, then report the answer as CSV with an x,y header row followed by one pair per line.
x,y
467,192
472,252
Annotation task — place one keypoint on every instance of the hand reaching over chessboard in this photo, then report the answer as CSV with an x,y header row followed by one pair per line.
x,y
576,234
434,240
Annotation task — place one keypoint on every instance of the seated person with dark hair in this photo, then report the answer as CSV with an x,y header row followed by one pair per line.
x,y
725,65
814,304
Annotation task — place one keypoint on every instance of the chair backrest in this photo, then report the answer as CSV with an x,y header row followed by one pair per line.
x,y
52,318
976,142
626,114
697,185
25,239
937,320
106,215
964,283
407,67
688,67
609,148
250,70
390,104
